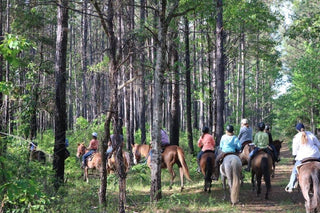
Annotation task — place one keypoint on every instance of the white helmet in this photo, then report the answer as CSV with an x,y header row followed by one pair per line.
x,y
94,134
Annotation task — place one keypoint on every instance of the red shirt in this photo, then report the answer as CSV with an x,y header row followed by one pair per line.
x,y
93,144
206,142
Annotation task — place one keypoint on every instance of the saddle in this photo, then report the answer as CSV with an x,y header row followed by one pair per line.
x,y
225,155
306,161
244,144
212,151
91,156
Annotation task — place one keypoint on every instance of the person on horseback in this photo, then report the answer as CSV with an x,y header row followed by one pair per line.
x,y
229,143
110,148
304,145
275,153
245,134
93,147
261,140
205,142
164,140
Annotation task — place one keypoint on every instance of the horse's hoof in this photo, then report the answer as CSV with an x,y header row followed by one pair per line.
x,y
170,187
181,189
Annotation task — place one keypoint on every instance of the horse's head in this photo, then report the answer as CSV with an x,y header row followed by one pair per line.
x,y
81,150
278,144
136,153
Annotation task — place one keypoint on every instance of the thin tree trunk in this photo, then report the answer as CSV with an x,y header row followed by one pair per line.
x,y
175,108
188,85
243,75
60,102
220,71
84,57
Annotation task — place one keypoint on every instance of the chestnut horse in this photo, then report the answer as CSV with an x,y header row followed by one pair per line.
x,y
309,179
111,163
93,161
207,162
171,155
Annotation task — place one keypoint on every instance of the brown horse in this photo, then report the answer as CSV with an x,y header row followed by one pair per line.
x,y
37,155
93,162
111,163
207,162
171,155
309,179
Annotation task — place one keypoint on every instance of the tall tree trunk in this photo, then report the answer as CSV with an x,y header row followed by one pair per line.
x,y
84,57
141,74
195,83
113,111
243,74
60,102
220,71
188,85
257,109
175,107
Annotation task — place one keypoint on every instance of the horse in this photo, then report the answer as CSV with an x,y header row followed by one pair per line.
x,y
93,161
231,169
309,179
111,162
207,162
172,154
38,155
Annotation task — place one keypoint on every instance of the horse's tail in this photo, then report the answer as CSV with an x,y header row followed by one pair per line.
x,y
235,189
183,163
315,174
209,169
265,171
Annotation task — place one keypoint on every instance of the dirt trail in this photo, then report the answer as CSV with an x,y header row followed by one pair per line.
x,y
280,200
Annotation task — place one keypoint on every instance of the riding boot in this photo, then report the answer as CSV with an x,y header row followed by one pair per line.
x,y
198,169
249,165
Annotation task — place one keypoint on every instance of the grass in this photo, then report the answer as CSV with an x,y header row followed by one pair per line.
x,y
79,196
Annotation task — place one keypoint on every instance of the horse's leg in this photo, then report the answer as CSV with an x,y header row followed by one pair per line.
x,y
259,177
252,180
173,175
86,174
181,178
273,169
223,179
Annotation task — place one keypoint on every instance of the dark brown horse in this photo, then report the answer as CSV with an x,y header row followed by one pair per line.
x,y
38,155
93,162
111,163
171,155
207,162
309,179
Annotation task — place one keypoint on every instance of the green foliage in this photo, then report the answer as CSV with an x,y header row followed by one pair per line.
x,y
11,46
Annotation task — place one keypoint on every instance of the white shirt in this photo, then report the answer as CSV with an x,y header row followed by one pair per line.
x,y
308,150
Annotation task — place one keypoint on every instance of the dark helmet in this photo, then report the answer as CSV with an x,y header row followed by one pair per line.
x,y
267,127
261,126
205,129
230,128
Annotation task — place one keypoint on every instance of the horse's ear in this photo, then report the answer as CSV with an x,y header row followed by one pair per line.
x,y
78,144
281,141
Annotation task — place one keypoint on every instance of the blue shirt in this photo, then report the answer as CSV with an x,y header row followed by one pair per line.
x,y
245,134
229,143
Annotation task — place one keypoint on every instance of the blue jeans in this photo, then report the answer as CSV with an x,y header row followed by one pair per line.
x,y
84,157
199,155
253,152
293,177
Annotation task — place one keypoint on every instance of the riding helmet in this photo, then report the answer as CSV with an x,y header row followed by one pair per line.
x,y
94,134
205,129
230,128
261,126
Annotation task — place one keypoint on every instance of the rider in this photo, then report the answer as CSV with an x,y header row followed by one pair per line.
x,y
205,142
229,143
245,134
261,140
110,147
304,145
276,156
164,140
93,146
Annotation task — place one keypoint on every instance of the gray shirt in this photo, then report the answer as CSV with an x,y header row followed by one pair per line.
x,y
245,134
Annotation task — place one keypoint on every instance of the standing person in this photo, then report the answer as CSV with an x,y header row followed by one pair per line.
x,y
93,147
229,144
304,145
245,134
261,140
205,142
